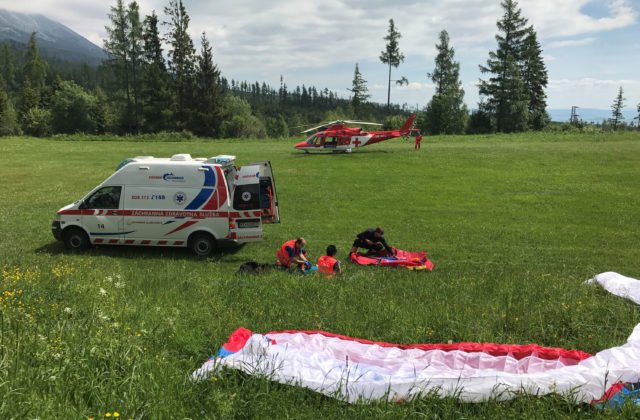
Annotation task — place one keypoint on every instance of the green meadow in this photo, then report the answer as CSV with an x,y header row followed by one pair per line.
x,y
514,224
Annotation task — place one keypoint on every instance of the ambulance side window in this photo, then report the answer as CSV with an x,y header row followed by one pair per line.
x,y
247,197
266,193
105,198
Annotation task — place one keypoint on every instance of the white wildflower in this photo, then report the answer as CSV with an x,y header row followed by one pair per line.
x,y
102,292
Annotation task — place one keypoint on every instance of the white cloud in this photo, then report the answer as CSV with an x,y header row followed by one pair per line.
x,y
591,92
570,43
553,18
317,42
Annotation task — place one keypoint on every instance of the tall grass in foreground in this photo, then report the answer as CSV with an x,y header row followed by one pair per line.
x,y
515,224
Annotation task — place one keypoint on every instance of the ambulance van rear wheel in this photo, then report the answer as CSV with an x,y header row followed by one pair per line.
x,y
75,239
202,244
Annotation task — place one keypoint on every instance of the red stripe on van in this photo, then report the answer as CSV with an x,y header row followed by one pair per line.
x,y
129,242
97,241
113,241
182,226
162,242
178,243
145,242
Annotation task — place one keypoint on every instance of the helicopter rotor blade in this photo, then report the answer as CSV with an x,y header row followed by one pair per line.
x,y
326,124
320,126
361,122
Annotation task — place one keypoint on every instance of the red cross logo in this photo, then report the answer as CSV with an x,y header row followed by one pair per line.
x,y
357,142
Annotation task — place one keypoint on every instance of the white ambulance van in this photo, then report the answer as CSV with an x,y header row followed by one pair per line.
x,y
180,201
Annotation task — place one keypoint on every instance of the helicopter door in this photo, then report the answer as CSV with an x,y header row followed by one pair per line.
x,y
331,142
268,198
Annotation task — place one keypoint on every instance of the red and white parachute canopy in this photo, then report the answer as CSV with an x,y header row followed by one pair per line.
x,y
354,369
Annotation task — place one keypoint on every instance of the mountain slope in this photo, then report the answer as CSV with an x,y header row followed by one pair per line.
x,y
54,39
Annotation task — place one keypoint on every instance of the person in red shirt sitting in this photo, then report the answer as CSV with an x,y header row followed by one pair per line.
x,y
292,255
327,264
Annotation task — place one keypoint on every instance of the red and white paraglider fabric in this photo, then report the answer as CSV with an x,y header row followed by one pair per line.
x,y
411,260
360,370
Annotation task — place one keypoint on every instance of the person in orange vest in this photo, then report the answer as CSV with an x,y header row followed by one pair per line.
x,y
292,255
327,264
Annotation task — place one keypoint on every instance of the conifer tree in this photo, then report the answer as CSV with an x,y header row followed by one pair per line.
x,y
122,46
505,91
8,68
8,118
535,77
29,98
359,90
35,68
156,94
209,108
391,55
446,113
616,110
181,61
135,45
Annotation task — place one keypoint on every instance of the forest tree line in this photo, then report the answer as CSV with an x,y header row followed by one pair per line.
x,y
155,82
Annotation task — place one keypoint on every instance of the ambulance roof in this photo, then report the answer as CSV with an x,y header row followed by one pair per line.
x,y
186,158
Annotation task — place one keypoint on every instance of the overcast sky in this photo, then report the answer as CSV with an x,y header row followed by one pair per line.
x,y
591,48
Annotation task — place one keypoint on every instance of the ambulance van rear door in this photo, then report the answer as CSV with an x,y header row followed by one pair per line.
x,y
268,197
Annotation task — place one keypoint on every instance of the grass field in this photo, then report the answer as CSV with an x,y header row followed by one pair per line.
x,y
514,224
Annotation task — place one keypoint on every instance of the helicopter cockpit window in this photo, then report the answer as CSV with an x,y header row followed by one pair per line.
x,y
311,139
315,140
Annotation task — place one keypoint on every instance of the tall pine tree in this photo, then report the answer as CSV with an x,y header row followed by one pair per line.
x,y
8,68
34,72
446,113
119,64
156,93
505,92
135,45
209,109
359,90
534,73
391,55
616,110
8,118
35,68
181,62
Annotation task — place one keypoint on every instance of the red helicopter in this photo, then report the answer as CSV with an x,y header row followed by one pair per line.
x,y
336,137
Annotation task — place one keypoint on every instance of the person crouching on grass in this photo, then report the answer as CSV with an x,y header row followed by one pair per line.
x,y
327,264
292,255
373,241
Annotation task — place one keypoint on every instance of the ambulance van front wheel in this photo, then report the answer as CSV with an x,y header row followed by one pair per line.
x,y
202,244
75,239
